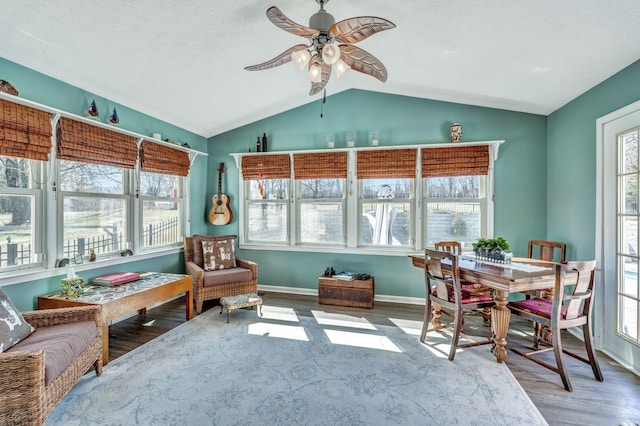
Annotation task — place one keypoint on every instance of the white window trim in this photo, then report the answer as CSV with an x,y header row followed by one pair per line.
x,y
352,203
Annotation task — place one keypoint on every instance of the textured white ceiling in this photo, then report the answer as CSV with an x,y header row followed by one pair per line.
x,y
182,61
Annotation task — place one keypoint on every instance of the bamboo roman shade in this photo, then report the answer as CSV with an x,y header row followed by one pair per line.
x,y
78,141
455,161
163,159
320,165
25,132
387,163
275,166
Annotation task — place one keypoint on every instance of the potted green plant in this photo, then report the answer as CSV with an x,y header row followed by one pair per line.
x,y
493,249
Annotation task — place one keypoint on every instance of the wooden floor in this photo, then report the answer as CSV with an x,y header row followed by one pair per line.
x,y
616,401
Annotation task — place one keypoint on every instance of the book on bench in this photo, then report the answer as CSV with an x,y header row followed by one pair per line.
x,y
345,276
116,278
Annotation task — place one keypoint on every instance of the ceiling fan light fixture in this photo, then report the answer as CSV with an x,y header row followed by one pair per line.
x,y
315,73
341,67
300,58
331,53
331,46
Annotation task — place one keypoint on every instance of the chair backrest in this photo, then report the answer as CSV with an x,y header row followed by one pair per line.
x,y
188,249
546,250
449,246
577,301
437,282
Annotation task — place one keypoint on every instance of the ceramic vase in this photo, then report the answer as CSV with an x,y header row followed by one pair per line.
x,y
455,132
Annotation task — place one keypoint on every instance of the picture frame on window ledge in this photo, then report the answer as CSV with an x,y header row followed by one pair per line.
x,y
78,258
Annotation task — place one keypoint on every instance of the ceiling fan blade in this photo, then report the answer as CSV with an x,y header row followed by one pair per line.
x,y
282,58
317,87
279,20
362,61
353,30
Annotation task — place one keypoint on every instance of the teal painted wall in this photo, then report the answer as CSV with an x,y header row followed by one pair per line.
x,y
571,177
520,173
48,91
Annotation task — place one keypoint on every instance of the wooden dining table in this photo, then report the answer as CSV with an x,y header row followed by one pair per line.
x,y
503,279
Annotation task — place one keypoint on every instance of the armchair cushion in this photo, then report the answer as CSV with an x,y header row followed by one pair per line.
x,y
198,256
538,306
227,276
467,297
13,327
219,254
62,344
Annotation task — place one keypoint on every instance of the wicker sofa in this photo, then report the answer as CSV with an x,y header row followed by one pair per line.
x,y
208,285
28,390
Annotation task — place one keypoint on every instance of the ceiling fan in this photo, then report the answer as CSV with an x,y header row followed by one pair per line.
x,y
330,46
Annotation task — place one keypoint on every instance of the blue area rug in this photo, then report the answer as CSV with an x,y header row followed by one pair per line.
x,y
286,369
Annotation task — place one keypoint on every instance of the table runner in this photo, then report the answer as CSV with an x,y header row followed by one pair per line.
x,y
525,267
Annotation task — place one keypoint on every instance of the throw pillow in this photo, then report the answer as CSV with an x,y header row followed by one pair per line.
x,y
219,254
198,257
13,327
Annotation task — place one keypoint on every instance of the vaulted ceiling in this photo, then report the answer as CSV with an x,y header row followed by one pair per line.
x,y
183,61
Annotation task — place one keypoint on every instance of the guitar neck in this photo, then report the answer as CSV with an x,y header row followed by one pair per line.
x,y
219,184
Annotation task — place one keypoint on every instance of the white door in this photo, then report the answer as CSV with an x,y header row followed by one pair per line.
x,y
618,223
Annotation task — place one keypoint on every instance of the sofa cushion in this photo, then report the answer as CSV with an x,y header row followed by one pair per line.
x,y
198,257
13,327
227,276
62,344
219,254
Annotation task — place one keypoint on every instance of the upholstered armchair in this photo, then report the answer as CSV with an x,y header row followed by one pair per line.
x,y
216,271
42,365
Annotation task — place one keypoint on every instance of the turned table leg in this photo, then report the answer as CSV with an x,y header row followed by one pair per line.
x,y
500,316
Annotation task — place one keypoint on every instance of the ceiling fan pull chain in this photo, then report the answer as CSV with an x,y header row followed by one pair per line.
x,y
324,101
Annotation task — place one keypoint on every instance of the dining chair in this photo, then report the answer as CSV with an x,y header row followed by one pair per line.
x,y
547,250
567,309
550,251
446,291
455,247
449,246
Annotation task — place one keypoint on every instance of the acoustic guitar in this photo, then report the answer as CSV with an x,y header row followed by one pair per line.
x,y
220,213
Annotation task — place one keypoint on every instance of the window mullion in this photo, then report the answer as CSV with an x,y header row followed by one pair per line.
x,y
352,223
294,209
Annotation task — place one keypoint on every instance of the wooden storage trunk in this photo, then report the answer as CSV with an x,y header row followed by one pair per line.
x,y
354,293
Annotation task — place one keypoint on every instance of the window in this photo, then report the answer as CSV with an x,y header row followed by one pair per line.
x,y
25,133
95,168
386,197
628,295
93,196
403,198
20,200
162,206
94,208
321,201
387,210
268,210
161,188
455,194
321,209
454,208
266,189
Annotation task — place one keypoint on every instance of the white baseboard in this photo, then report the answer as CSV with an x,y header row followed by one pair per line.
x,y
314,292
